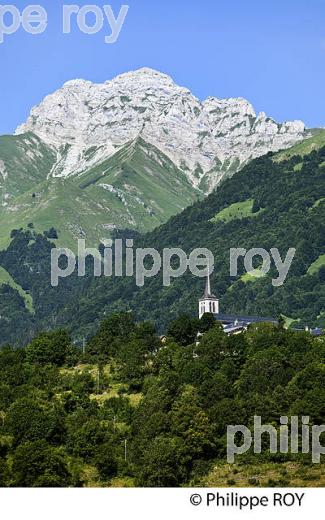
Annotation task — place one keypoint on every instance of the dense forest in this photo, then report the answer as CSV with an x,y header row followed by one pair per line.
x,y
129,410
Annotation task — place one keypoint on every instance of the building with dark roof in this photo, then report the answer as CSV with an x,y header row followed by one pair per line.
x,y
232,323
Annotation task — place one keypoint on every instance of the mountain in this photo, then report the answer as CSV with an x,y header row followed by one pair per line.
x,y
86,122
276,201
126,154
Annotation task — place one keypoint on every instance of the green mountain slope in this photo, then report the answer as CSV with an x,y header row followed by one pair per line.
x,y
25,161
269,204
307,146
138,188
283,215
6,279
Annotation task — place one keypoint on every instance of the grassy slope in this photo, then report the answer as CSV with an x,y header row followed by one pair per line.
x,y
24,161
5,278
243,209
315,266
287,474
248,277
244,473
62,204
111,389
318,202
293,474
304,148
235,211
148,190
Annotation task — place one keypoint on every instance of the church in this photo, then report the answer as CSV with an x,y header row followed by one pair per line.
x,y
232,324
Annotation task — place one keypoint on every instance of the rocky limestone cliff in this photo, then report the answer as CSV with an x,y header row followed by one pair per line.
x,y
86,123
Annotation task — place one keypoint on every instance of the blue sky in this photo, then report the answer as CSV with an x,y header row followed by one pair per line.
x,y
271,52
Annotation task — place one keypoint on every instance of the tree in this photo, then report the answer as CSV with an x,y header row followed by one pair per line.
x,y
184,330
213,347
321,274
29,420
82,384
207,322
264,371
4,472
37,464
164,463
112,330
84,441
51,234
190,422
49,348
132,356
105,461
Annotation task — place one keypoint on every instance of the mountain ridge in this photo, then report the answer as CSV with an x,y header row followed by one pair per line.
x,y
207,139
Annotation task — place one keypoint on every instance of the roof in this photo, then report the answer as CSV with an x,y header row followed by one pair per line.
x,y
234,328
208,295
230,319
316,332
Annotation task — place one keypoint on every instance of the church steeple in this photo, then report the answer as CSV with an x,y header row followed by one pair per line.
x,y
207,291
209,302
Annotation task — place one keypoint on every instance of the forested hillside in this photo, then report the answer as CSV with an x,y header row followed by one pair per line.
x,y
131,411
274,202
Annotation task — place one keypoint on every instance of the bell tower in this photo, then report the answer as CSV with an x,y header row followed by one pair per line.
x,y
209,302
